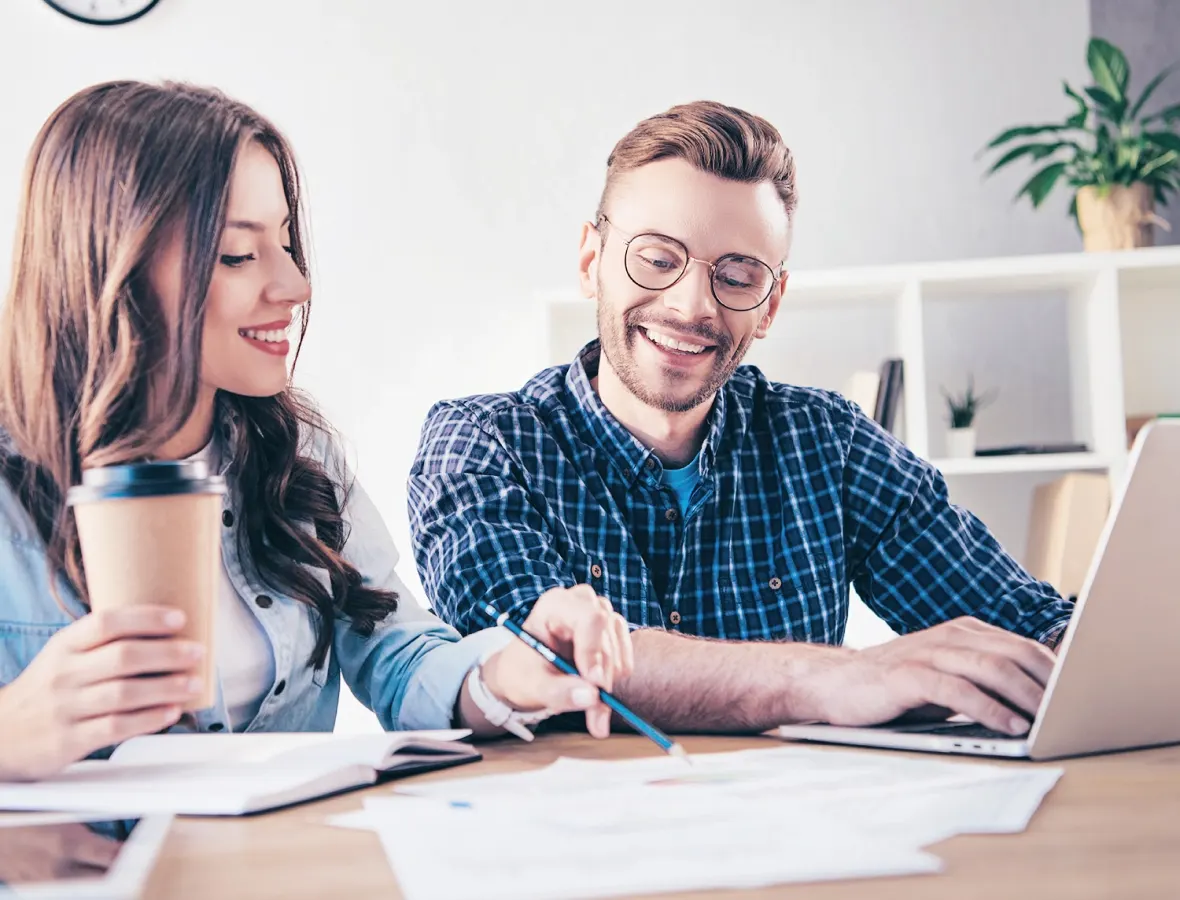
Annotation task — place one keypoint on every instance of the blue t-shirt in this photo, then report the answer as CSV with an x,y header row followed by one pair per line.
x,y
682,481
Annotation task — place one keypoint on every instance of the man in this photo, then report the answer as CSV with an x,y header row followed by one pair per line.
x,y
723,515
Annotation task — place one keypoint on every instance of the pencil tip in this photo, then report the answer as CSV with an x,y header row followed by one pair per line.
x,y
677,750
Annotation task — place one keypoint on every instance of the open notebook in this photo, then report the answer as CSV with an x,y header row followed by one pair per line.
x,y
233,774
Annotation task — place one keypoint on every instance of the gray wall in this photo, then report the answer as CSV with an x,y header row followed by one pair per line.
x,y
1148,31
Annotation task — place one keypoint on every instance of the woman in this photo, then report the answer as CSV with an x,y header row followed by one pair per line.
x,y
160,270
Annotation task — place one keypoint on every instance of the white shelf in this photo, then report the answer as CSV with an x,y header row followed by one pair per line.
x,y
1010,274
1076,342
1025,462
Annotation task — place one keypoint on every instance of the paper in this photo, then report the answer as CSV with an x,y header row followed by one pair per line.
x,y
749,776
507,856
373,750
213,774
200,789
727,820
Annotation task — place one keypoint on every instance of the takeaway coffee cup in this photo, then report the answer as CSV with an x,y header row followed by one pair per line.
x,y
149,533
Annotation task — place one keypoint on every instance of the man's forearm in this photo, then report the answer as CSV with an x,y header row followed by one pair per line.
x,y
691,684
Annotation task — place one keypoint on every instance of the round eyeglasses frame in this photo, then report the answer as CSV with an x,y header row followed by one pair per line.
x,y
628,238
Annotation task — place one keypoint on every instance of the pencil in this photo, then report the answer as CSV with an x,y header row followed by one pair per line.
x,y
562,664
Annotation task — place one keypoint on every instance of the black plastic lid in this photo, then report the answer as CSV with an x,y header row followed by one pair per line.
x,y
155,479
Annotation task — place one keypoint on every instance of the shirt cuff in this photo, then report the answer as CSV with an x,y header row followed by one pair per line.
x,y
430,701
1051,636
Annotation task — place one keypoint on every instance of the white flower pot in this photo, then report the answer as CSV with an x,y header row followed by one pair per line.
x,y
960,443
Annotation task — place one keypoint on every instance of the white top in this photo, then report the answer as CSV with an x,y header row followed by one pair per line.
x,y
245,661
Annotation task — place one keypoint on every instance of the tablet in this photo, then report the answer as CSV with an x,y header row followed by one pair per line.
x,y
78,857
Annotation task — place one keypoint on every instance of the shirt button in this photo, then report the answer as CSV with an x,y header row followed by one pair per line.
x,y
263,601
650,463
775,583
596,571
670,515
280,687
216,726
674,617
227,519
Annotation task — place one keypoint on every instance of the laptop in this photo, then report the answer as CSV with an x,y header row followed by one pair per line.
x,y
1113,686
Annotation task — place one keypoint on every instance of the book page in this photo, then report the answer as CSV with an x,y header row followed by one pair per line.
x,y
373,750
200,789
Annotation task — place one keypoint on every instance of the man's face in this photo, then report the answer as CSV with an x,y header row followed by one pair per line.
x,y
674,348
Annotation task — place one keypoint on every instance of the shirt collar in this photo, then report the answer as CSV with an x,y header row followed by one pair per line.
x,y
625,451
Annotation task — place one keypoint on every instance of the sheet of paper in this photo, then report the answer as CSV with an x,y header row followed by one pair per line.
x,y
727,820
1000,804
507,855
742,773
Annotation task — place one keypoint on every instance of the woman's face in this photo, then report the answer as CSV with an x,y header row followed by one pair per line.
x,y
256,286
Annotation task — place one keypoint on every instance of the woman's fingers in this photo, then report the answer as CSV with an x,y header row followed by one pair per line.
x,y
123,695
129,657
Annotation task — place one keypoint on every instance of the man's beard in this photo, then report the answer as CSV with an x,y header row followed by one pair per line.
x,y
618,347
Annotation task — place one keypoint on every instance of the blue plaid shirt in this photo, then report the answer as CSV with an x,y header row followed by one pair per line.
x,y
800,495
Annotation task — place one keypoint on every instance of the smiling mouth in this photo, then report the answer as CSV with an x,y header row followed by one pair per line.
x,y
269,336
670,343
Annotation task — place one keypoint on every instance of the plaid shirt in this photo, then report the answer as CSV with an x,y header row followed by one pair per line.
x,y
800,495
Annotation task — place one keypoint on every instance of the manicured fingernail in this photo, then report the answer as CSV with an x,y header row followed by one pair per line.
x,y
194,685
195,651
1017,725
174,618
596,673
583,697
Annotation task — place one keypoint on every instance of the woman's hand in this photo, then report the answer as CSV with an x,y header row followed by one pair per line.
x,y
582,627
105,678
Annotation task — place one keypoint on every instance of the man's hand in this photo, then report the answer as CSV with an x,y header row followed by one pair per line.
x,y
580,626
963,666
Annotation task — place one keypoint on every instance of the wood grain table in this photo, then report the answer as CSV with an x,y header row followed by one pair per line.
x,y
1109,829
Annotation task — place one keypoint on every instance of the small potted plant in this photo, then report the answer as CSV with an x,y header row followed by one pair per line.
x,y
960,439
1120,162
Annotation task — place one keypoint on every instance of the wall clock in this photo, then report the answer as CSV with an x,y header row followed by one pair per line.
x,y
103,12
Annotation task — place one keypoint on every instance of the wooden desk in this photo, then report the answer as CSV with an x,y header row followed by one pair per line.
x,y
1109,829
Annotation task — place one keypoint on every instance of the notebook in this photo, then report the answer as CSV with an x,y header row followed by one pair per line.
x,y
235,774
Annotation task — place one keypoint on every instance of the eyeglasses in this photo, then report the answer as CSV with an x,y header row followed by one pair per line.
x,y
655,262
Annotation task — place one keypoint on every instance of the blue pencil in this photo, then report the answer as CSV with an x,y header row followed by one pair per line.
x,y
648,730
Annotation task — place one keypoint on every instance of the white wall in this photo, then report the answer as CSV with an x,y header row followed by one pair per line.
x,y
452,150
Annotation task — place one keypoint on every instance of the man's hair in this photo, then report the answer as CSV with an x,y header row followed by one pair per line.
x,y
721,140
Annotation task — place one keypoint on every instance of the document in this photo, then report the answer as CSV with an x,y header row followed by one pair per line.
x,y
725,820
512,854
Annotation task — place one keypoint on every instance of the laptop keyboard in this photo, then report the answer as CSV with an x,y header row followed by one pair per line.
x,y
962,729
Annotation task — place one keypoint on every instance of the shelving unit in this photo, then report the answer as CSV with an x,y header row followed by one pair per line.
x,y
1077,342
1040,462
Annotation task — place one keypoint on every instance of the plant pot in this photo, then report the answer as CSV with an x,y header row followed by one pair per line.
x,y
960,443
1117,217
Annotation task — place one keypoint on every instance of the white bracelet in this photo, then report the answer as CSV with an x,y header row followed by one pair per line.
x,y
499,713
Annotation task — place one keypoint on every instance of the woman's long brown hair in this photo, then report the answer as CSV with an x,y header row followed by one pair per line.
x,y
92,372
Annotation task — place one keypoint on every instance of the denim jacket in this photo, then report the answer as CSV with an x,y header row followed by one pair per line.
x,y
408,672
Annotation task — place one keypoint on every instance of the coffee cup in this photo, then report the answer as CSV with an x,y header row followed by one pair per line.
x,y
150,534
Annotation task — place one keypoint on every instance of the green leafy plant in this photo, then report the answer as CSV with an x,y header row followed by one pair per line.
x,y
1105,142
964,407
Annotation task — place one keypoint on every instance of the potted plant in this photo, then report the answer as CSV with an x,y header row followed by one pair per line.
x,y
1120,162
960,439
